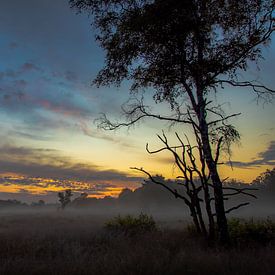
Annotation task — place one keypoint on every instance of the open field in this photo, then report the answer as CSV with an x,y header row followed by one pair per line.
x,y
51,242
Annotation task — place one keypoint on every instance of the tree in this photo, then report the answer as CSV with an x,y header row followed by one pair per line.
x,y
189,171
184,50
65,198
195,179
266,182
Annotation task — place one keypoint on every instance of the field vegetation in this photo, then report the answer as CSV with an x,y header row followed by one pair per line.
x,y
76,242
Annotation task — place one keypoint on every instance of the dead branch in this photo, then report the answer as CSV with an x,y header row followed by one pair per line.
x,y
240,191
259,89
222,119
236,207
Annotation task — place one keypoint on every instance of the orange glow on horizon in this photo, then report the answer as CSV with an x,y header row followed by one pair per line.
x,y
44,185
14,183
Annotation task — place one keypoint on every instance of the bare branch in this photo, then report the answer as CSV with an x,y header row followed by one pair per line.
x,y
236,207
135,113
259,89
222,117
240,192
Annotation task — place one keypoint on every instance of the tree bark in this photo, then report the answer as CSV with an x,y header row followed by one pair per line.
x,y
218,191
211,227
200,109
200,217
195,220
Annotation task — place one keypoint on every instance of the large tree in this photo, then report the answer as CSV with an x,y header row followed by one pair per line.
x,y
183,50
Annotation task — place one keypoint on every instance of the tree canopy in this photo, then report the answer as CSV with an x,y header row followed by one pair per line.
x,y
175,46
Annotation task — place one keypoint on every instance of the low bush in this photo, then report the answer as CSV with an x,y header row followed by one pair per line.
x,y
247,231
130,225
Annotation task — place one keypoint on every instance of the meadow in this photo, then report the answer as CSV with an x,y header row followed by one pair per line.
x,y
46,241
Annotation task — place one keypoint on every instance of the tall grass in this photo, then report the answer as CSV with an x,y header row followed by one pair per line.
x,y
57,244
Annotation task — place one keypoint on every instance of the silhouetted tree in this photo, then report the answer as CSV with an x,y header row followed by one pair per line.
x,y
266,181
184,50
195,179
65,198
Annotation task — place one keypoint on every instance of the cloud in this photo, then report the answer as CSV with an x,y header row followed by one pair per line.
x,y
43,185
266,157
269,154
32,136
50,164
71,76
37,102
23,69
27,67
13,45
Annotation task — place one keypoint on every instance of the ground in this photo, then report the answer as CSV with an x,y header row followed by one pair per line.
x,y
77,242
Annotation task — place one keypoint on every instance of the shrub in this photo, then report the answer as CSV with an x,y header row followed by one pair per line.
x,y
243,231
130,225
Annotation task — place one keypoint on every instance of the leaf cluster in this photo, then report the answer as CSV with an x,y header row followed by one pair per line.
x,y
246,231
167,44
130,225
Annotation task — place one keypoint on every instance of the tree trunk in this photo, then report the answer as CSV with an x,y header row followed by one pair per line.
x,y
211,228
212,167
200,217
218,191
195,220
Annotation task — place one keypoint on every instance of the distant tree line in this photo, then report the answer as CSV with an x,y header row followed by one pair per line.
x,y
149,198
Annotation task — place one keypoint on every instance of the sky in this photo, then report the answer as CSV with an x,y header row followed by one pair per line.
x,y
48,139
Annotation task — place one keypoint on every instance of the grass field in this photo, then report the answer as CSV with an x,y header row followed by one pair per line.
x,y
64,242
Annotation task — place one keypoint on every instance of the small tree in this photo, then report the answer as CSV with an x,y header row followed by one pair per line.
x,y
65,198
184,50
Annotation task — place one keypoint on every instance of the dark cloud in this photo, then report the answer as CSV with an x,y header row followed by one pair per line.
x,y
68,75
10,73
25,100
27,67
9,150
266,157
23,182
269,154
71,76
57,58
47,163
13,45
23,69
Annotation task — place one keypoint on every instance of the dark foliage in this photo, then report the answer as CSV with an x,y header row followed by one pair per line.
x,y
251,232
130,225
65,198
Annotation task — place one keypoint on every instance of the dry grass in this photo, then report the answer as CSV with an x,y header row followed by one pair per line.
x,y
73,243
